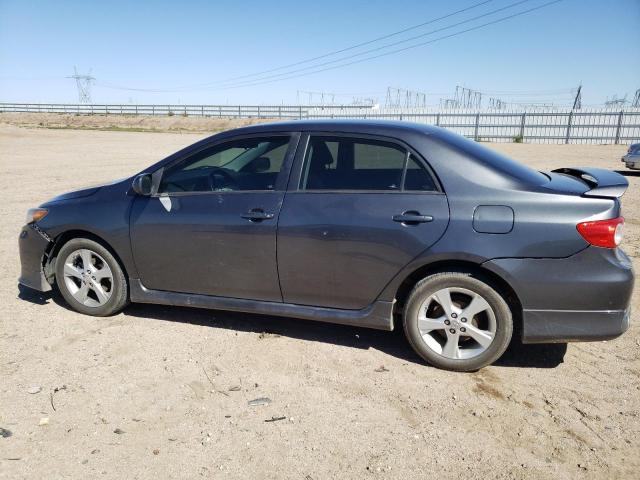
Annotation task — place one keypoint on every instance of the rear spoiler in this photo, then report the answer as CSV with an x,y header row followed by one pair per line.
x,y
602,182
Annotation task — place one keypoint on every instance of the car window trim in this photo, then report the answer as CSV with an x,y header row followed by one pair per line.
x,y
281,180
300,159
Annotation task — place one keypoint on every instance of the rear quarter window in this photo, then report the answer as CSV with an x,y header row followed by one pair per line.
x,y
495,160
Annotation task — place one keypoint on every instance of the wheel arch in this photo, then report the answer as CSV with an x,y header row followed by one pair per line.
x,y
51,254
476,270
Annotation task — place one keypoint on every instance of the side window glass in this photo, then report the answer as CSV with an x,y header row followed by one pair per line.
x,y
244,164
417,177
339,163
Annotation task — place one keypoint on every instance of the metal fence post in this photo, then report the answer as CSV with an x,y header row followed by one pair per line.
x,y
438,120
475,135
619,127
300,112
523,121
568,135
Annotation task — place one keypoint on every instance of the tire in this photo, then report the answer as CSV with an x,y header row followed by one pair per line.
x,y
90,278
431,335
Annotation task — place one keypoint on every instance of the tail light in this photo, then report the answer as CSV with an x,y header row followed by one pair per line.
x,y
602,233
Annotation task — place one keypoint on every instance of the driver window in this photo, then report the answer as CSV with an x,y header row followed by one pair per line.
x,y
243,164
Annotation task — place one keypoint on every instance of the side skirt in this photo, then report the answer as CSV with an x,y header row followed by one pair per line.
x,y
378,315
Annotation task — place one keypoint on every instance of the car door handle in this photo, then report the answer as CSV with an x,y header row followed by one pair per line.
x,y
412,218
257,215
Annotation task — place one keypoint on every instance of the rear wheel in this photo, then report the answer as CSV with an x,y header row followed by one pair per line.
x,y
90,279
457,322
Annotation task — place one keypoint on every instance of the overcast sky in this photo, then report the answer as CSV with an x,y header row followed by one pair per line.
x,y
191,49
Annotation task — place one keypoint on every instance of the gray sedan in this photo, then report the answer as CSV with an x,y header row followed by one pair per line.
x,y
376,224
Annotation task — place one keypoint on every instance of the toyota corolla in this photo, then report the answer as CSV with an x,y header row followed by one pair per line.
x,y
376,224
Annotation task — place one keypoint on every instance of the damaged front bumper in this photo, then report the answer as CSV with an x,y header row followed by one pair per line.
x,y
33,243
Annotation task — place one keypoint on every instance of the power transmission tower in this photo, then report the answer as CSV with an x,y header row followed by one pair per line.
x,y
496,103
616,102
326,98
577,102
449,103
401,97
363,101
83,82
636,99
467,98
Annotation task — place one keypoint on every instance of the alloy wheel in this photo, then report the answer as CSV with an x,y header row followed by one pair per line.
x,y
88,277
457,323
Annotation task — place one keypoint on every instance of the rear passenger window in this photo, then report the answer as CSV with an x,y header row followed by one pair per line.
x,y
341,163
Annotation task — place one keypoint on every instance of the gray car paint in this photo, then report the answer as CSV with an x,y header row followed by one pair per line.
x,y
378,254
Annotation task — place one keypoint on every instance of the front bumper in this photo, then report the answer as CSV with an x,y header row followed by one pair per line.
x,y
584,297
33,245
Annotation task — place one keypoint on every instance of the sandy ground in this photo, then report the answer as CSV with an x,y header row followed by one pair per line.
x,y
159,392
144,123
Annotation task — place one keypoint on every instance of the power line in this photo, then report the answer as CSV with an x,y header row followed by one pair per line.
x,y
382,47
319,57
372,50
477,27
295,74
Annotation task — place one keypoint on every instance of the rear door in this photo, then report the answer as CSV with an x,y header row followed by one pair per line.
x,y
358,209
211,228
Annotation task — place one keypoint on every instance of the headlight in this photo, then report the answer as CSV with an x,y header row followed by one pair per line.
x,y
36,214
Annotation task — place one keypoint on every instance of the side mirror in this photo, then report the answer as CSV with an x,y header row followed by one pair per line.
x,y
142,184
261,164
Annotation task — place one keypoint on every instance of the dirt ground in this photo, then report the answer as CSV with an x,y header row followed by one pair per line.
x,y
159,392
132,123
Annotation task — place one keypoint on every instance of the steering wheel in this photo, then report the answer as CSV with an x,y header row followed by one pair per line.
x,y
230,181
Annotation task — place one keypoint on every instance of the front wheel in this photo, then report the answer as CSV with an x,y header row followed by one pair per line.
x,y
90,279
457,322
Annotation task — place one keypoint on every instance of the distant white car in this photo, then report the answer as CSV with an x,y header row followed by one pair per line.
x,y
632,158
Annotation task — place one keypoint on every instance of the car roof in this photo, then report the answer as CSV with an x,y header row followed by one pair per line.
x,y
372,127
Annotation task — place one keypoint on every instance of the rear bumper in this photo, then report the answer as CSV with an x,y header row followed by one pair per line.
x,y
33,245
632,162
584,297
554,326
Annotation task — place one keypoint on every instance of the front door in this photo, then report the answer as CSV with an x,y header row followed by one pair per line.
x,y
211,227
363,209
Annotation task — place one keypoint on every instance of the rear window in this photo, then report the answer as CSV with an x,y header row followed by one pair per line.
x,y
346,163
495,160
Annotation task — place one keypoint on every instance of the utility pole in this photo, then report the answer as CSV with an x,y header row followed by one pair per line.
x,y
83,83
577,102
